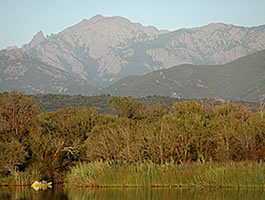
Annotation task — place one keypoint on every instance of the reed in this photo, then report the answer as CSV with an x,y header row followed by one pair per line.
x,y
20,178
86,174
148,174
243,174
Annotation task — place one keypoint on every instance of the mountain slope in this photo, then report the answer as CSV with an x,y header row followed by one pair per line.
x,y
212,44
242,79
20,72
103,50
94,49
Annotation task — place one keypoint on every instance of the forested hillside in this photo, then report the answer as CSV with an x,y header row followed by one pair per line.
x,y
242,79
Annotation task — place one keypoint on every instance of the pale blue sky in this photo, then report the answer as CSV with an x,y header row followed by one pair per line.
x,y
20,20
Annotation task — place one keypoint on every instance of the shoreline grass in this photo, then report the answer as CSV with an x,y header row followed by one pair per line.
x,y
148,174
21,179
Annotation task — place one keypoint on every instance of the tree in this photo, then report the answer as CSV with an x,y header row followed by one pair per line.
x,y
127,107
194,138
234,134
57,143
113,141
17,114
12,155
156,111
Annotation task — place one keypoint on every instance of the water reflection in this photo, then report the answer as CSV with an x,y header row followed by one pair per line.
x,y
60,193
37,188
162,193
28,193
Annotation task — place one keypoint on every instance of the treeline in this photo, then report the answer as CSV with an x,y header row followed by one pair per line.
x,y
47,144
55,102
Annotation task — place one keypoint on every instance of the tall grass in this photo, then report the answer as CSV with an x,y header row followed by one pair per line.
x,y
21,178
86,174
120,174
245,174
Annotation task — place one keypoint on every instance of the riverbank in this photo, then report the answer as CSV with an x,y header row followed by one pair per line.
x,y
216,175
147,174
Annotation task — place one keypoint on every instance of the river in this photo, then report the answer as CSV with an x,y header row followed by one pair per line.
x,y
60,193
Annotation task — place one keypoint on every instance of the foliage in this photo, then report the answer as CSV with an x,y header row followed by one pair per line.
x,y
52,102
17,115
12,155
52,143
17,112
57,143
127,107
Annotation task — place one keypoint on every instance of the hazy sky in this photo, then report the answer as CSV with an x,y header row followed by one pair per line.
x,y
20,20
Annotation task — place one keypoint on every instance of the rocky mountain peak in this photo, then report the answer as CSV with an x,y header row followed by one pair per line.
x,y
112,25
96,19
39,37
99,38
36,40
104,49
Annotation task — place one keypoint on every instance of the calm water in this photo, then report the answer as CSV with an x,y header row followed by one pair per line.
x,y
27,193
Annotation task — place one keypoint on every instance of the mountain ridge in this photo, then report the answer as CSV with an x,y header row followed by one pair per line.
x,y
241,79
103,50
18,71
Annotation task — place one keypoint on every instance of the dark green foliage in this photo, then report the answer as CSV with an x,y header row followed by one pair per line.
x,y
52,102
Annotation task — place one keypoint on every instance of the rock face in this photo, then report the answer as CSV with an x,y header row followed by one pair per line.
x,y
18,71
95,49
37,39
102,50
211,44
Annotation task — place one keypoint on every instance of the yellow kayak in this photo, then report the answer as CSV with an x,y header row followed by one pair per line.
x,y
41,184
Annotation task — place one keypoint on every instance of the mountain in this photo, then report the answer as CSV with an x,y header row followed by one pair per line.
x,y
96,50
103,50
18,71
242,79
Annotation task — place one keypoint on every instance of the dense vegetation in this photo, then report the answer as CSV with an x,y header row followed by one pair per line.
x,y
35,144
148,174
55,102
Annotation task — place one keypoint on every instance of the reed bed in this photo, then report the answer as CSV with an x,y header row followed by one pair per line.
x,y
148,174
20,178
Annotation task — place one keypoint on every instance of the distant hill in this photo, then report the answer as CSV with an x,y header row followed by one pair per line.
x,y
242,79
102,50
20,72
